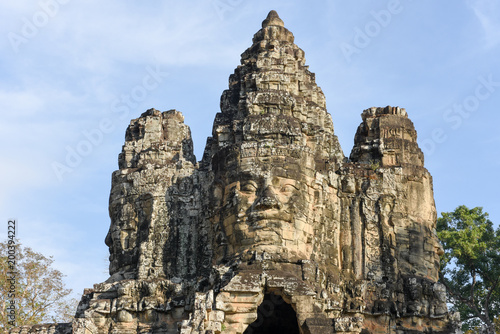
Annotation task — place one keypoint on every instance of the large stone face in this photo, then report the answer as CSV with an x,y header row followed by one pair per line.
x,y
272,147
274,230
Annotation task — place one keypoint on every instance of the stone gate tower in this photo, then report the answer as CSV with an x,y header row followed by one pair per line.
x,y
274,230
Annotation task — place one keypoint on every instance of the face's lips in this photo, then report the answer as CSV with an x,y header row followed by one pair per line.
x,y
269,215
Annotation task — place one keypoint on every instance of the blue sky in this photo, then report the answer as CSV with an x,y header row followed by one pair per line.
x,y
74,73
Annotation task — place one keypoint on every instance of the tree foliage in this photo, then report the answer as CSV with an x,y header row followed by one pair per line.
x,y
470,266
35,289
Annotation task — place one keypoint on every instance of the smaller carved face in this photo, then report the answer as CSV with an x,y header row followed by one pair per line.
x,y
265,207
122,236
438,251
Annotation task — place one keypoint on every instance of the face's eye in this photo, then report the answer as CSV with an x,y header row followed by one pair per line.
x,y
288,188
248,187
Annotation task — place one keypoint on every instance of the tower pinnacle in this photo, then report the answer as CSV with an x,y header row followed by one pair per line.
x,y
273,19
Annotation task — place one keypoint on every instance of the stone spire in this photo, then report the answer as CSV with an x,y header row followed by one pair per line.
x,y
273,19
273,97
157,154
387,137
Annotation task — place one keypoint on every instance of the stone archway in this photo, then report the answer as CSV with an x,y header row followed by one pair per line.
x,y
274,316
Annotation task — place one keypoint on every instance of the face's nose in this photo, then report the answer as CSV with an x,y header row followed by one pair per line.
x,y
267,199
109,240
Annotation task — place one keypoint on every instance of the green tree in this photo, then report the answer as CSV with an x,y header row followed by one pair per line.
x,y
470,266
37,291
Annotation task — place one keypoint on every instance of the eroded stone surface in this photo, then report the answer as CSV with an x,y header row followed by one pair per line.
x,y
64,328
274,230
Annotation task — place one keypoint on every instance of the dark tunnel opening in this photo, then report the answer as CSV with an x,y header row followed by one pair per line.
x,y
274,316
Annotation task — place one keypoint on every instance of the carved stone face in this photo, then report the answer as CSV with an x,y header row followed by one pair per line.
x,y
122,236
438,251
267,208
